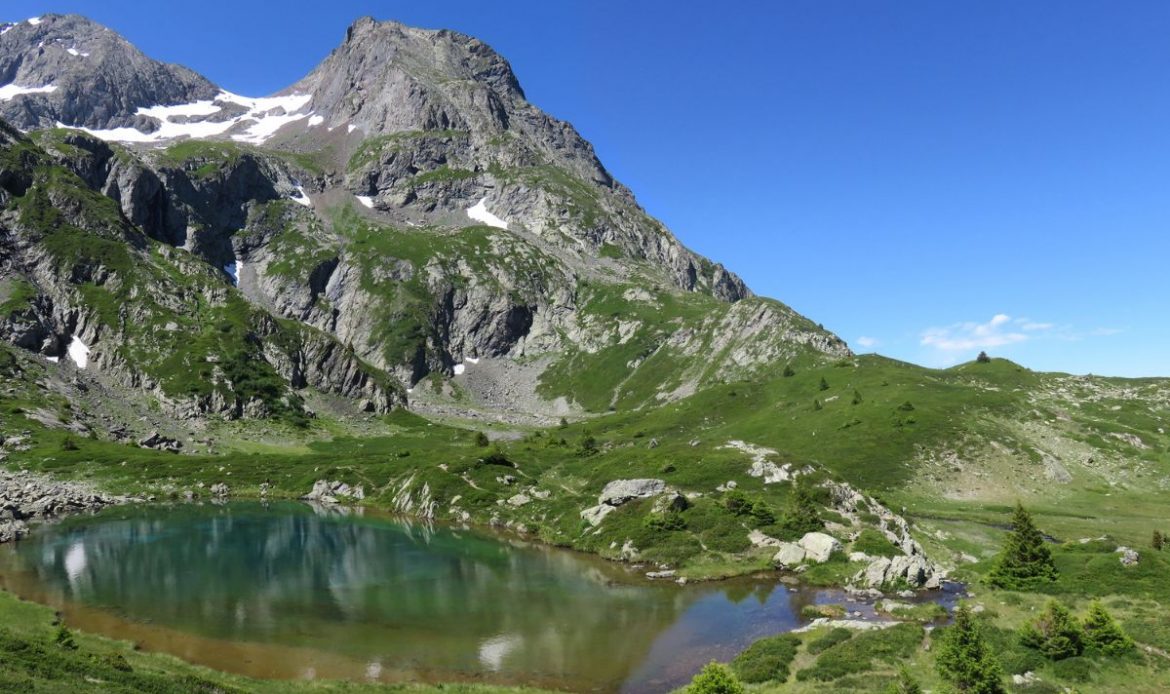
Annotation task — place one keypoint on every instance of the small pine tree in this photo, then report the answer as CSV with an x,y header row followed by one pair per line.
x,y
1055,633
905,684
965,660
715,678
824,383
983,358
481,439
857,397
1025,560
564,424
64,638
788,372
1159,541
802,515
1103,634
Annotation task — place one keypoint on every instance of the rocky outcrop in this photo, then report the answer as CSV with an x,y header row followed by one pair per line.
x,y
334,492
26,498
619,492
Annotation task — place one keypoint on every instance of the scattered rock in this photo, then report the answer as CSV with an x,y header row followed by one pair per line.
x,y
519,500
219,490
819,546
619,492
327,492
595,514
1129,556
790,555
159,442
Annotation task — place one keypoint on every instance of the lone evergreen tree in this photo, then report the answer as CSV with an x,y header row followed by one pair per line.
x,y
788,372
1103,634
983,358
905,684
1025,560
824,383
715,678
1055,633
965,660
857,397
802,515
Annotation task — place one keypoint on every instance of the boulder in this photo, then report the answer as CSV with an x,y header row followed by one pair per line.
x,y
1129,556
670,502
519,500
619,492
219,490
771,472
818,546
595,514
789,555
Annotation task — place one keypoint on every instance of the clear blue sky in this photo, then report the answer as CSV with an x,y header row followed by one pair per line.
x,y
925,178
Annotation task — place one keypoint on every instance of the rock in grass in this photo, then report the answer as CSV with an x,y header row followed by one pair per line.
x,y
619,492
819,546
789,555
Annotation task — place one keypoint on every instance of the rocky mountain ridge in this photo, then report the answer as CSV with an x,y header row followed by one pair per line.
x,y
395,217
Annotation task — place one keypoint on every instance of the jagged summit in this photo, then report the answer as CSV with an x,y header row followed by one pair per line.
x,y
401,218
70,69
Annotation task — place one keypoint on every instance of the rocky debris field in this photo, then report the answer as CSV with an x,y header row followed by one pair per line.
x,y
27,497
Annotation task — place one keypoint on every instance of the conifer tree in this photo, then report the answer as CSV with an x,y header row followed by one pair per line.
x,y
905,684
965,660
802,515
824,383
1103,634
1025,560
1055,633
1159,540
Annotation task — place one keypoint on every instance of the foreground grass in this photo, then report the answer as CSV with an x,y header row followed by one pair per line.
x,y
38,654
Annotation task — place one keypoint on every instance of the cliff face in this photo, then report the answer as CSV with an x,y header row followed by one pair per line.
x,y
399,213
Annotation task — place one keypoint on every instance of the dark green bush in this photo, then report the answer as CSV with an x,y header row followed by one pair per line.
x,y
767,660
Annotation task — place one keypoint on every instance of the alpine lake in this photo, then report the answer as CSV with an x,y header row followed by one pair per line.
x,y
292,591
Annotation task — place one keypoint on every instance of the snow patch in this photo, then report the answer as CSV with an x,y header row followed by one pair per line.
x,y
314,121
79,352
459,369
55,360
365,200
263,117
72,50
471,360
350,128
302,198
479,212
10,91
35,20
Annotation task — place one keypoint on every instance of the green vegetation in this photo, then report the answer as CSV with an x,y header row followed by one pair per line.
x,y
964,658
715,678
766,660
864,652
1025,560
1055,633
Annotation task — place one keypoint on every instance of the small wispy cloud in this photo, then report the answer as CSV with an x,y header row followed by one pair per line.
x,y
867,342
1001,330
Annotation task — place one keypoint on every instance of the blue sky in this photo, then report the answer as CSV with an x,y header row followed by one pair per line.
x,y
927,179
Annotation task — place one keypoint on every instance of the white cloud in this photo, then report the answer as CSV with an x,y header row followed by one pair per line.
x,y
864,341
999,331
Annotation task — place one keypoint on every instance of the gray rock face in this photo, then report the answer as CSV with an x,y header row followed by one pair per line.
x,y
789,555
99,79
819,546
26,497
619,492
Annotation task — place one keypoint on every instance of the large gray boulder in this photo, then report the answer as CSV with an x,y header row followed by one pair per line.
x,y
619,492
819,546
789,555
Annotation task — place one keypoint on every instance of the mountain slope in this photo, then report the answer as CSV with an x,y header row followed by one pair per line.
x,y
403,200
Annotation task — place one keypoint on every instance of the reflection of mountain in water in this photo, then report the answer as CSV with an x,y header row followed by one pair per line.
x,y
372,589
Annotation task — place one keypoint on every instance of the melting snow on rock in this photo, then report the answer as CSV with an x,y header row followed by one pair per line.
x,y
79,352
10,91
365,200
34,20
302,198
262,116
480,214
459,369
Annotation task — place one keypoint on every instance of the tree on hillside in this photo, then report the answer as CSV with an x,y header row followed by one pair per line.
x,y
788,371
715,678
824,383
802,515
1025,560
983,358
1055,633
905,684
1103,634
1159,541
965,660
